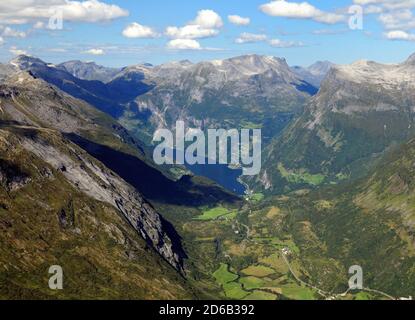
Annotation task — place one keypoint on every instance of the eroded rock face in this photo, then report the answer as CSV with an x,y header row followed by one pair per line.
x,y
95,180
11,177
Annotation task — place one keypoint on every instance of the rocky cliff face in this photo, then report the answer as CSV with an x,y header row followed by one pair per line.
x,y
94,180
58,205
30,103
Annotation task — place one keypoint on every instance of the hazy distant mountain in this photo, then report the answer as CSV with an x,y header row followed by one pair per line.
x,y
89,70
246,91
315,73
360,111
108,97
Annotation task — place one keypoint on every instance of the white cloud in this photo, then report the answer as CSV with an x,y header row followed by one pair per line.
x,y
39,25
1,41
400,35
373,9
58,50
206,24
388,4
365,2
399,4
402,19
14,50
95,52
304,10
184,44
136,30
9,32
190,32
208,19
285,44
277,43
250,38
238,20
25,11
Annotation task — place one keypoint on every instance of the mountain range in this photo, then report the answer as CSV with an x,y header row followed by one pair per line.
x,y
79,188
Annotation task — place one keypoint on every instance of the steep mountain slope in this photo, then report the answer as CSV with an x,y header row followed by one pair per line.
x,y
242,92
48,126
32,101
61,206
315,73
369,222
361,110
89,70
106,97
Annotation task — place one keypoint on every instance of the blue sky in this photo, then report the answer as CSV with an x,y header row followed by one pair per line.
x,y
121,32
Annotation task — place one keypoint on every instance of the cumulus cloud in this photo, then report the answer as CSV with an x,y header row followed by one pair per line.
x,y
400,35
208,19
238,20
136,30
95,52
184,44
247,37
206,24
25,11
190,32
304,10
1,41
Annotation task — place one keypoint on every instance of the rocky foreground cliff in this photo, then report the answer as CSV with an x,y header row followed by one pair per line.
x,y
59,205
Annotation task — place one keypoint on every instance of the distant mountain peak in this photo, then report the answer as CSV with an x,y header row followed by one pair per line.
x,y
321,67
24,61
315,73
89,70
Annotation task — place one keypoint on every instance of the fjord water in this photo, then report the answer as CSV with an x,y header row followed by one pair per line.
x,y
221,174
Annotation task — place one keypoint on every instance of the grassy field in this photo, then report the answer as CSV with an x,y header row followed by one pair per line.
x,y
304,177
258,271
275,262
223,275
362,296
296,292
257,197
234,290
216,213
250,282
261,295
